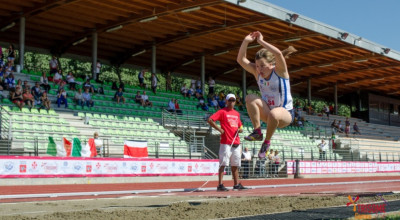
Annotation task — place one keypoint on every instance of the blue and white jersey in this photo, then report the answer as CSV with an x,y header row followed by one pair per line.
x,y
275,91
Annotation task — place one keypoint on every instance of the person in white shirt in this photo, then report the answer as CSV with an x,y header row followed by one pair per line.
x,y
71,81
53,64
193,84
246,158
322,149
145,99
98,68
171,106
154,81
57,78
211,84
184,90
98,143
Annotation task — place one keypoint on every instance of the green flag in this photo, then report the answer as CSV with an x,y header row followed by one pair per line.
x,y
52,147
76,148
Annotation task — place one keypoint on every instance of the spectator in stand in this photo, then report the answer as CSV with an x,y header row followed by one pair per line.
x,y
87,98
88,86
347,127
26,86
98,143
177,108
322,149
11,54
17,99
356,129
45,101
184,90
37,93
44,82
168,82
138,99
298,108
326,111
214,103
62,98
8,69
154,81
28,98
19,84
119,95
2,64
53,64
221,103
340,127
221,96
190,92
146,101
57,77
331,109
171,106
97,73
211,85
141,76
246,158
71,81
193,84
78,97
276,163
10,82
202,105
199,94
198,83
121,86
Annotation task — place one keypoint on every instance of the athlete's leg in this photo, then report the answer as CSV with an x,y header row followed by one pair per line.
x,y
277,118
257,109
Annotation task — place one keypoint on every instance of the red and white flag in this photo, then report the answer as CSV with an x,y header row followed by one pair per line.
x,y
135,149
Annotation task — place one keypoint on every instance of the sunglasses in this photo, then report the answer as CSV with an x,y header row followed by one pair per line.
x,y
231,100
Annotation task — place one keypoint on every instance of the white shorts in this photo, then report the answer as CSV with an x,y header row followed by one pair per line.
x,y
229,154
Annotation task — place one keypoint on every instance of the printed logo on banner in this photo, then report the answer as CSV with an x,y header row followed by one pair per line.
x,y
151,166
88,167
49,167
98,165
9,166
111,167
78,167
22,167
162,168
134,167
65,164
189,169
181,167
143,168
205,168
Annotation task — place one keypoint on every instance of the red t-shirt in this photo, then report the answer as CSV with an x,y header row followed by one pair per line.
x,y
230,123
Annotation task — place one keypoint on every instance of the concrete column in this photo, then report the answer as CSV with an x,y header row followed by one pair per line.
x,y
94,54
244,91
21,42
153,58
335,98
309,91
203,73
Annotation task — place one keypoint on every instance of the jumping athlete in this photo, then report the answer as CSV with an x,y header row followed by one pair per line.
x,y
275,105
229,149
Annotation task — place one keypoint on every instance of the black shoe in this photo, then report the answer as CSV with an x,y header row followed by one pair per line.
x,y
255,136
239,187
221,187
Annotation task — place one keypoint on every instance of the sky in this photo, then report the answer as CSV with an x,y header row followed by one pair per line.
x,y
374,20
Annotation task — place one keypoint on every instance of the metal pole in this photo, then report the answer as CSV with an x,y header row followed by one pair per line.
x,y
173,150
309,91
312,155
335,98
94,54
21,42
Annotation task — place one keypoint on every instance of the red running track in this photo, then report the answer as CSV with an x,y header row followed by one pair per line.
x,y
269,191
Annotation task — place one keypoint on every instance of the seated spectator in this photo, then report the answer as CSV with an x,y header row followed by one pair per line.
x,y
26,85
45,101
10,82
221,96
88,86
71,81
28,99
8,69
19,85
202,105
154,81
190,92
339,127
17,99
62,98
239,102
177,108
171,106
146,101
138,98
356,129
193,83
53,64
119,95
44,82
214,103
222,103
78,97
198,93
87,98
347,127
57,77
37,93
184,90
11,54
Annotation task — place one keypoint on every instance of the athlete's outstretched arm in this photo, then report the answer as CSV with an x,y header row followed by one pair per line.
x,y
242,55
280,62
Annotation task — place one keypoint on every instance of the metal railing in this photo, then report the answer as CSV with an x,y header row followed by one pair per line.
x,y
184,120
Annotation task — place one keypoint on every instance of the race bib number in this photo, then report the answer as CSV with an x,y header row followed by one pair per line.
x,y
272,100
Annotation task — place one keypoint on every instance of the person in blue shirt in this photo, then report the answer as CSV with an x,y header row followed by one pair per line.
x,y
119,95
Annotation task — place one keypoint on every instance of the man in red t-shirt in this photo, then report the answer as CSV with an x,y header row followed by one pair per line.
x,y
229,150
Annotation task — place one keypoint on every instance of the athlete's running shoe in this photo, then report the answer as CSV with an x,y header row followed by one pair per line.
x,y
221,187
255,136
239,187
263,150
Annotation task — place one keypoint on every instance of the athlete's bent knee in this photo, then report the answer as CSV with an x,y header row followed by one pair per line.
x,y
250,98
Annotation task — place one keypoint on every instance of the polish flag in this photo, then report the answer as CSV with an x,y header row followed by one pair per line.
x,y
135,149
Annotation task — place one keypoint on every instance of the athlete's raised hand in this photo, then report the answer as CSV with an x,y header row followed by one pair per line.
x,y
250,38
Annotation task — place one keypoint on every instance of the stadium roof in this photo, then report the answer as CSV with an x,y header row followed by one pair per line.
x,y
185,30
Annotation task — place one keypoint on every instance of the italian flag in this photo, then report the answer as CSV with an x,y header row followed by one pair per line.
x,y
135,149
88,150
61,149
